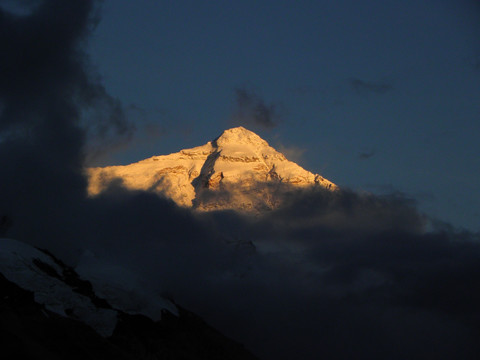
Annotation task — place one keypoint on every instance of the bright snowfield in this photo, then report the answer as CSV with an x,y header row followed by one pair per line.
x,y
238,164
35,271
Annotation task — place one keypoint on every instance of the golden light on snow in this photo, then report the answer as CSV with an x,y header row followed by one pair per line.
x,y
237,159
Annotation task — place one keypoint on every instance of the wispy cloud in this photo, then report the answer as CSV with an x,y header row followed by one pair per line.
x,y
252,109
292,153
376,87
367,154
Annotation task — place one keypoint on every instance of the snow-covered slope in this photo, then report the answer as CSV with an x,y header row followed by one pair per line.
x,y
48,312
61,290
237,170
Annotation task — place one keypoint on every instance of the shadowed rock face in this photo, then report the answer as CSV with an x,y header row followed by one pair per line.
x,y
238,166
29,330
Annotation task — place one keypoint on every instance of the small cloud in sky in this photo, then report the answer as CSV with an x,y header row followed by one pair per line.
x,y
362,87
367,154
251,109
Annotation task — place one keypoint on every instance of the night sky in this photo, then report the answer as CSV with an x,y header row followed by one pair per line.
x,y
377,96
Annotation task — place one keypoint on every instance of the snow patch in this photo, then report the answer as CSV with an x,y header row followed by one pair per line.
x,y
27,267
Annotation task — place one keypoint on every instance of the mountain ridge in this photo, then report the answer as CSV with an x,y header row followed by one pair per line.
x,y
238,167
48,311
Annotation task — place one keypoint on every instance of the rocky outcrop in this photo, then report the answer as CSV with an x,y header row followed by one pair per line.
x,y
238,170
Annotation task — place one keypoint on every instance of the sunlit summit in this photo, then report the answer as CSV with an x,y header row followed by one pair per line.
x,y
237,170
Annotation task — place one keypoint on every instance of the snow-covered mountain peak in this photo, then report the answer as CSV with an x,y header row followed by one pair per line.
x,y
239,136
237,170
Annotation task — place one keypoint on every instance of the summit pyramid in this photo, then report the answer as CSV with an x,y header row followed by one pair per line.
x,y
237,170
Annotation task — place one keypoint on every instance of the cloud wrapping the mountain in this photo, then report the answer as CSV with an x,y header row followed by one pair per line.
x,y
342,272
334,275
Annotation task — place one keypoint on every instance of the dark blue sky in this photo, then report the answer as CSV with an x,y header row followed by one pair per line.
x,y
375,95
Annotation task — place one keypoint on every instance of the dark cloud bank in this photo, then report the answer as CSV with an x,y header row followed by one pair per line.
x,y
329,275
